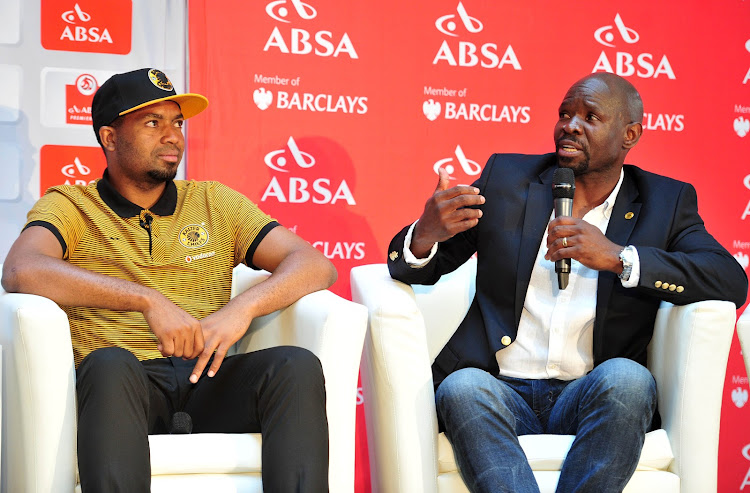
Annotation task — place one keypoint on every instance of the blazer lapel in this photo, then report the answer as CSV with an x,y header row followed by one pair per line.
x,y
536,217
621,224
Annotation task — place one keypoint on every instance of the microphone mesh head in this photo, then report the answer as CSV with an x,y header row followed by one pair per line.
x,y
563,183
182,424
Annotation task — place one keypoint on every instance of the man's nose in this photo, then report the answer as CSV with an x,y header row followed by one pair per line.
x,y
172,135
573,126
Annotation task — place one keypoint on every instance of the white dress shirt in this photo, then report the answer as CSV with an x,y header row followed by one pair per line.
x,y
555,333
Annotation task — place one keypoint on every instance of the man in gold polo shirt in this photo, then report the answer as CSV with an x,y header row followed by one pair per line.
x,y
142,264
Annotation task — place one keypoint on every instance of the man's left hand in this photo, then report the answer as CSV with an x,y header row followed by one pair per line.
x,y
221,330
574,238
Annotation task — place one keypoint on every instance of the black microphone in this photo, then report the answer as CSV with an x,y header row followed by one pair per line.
x,y
182,424
563,187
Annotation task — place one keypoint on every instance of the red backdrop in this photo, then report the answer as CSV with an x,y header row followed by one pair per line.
x,y
334,116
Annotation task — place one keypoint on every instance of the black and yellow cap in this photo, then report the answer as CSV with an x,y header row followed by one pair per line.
x,y
130,91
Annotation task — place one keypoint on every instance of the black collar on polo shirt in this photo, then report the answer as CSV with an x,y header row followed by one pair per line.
x,y
165,206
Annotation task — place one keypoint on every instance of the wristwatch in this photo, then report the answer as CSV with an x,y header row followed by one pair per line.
x,y
626,257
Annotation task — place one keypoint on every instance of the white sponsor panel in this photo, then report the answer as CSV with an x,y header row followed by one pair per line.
x,y
291,189
470,53
54,104
625,63
10,92
10,21
299,41
10,185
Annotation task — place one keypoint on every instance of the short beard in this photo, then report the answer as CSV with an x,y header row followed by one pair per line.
x,y
161,176
578,169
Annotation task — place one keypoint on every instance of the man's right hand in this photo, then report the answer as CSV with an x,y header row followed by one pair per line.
x,y
179,333
446,214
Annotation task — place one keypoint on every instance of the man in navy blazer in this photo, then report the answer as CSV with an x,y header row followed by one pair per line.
x,y
531,357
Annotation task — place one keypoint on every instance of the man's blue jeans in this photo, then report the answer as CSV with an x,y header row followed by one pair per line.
x,y
609,411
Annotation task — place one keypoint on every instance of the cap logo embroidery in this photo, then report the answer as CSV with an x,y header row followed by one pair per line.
x,y
160,79
193,236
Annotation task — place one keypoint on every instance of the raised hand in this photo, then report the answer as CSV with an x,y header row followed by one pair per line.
x,y
446,213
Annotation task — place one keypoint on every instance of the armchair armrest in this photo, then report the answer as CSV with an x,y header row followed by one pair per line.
x,y
334,330
688,357
39,415
743,332
401,421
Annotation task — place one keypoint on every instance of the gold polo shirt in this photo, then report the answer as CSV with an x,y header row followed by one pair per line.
x,y
185,247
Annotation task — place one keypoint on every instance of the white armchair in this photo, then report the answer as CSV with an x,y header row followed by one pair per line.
x,y
39,412
743,333
410,325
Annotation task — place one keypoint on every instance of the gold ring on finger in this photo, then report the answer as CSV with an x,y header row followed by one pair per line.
x,y
565,241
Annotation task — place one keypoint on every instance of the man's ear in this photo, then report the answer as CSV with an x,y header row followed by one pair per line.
x,y
107,136
633,132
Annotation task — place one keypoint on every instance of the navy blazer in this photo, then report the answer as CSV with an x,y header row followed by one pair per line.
x,y
656,214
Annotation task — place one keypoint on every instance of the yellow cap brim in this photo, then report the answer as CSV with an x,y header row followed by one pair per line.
x,y
190,104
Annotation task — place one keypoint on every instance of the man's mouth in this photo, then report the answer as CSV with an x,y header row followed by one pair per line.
x,y
568,148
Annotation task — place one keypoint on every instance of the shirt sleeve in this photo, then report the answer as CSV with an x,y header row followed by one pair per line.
x,y
409,257
250,224
59,213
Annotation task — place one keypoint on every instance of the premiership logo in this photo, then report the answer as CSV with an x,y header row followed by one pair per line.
x,y
193,236
78,98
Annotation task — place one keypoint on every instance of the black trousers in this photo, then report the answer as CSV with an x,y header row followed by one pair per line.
x,y
278,392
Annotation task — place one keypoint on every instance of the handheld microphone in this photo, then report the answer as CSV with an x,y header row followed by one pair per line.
x,y
182,424
563,187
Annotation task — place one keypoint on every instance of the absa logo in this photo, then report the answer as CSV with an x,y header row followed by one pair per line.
x,y
77,171
298,41
471,168
87,25
466,53
625,64
296,190
69,165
